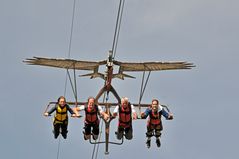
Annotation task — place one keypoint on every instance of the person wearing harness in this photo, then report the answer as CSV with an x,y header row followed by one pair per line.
x,y
91,118
125,111
60,122
154,124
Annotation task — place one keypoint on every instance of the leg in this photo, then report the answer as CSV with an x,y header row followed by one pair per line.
x,y
129,133
87,131
149,134
120,133
157,135
64,129
95,131
56,130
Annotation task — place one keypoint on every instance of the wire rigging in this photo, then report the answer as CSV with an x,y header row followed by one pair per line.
x,y
97,149
117,27
114,47
72,27
70,40
73,86
67,72
142,88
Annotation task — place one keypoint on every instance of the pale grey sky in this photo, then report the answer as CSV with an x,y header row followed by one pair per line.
x,y
204,100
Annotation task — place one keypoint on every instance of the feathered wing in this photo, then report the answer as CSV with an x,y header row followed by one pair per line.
x,y
65,63
152,66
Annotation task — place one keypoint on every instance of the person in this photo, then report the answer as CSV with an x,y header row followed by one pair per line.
x,y
60,122
125,111
91,118
154,124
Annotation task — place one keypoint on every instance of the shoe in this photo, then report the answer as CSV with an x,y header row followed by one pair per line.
x,y
119,135
55,134
95,137
158,142
64,136
84,135
148,143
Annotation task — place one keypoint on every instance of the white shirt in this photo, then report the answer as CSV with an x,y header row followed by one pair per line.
x,y
82,107
160,107
116,110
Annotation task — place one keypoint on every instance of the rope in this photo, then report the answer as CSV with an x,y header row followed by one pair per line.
x,y
117,27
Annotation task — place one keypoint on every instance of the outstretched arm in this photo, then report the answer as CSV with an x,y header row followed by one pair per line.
x,y
50,111
145,114
73,111
168,116
133,112
77,109
102,113
116,110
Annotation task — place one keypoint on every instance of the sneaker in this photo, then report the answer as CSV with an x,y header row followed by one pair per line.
x,y
158,142
148,143
95,137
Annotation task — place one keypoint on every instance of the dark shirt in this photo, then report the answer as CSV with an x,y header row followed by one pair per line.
x,y
55,107
149,111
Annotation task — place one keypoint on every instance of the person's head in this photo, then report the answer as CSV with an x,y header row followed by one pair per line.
x,y
124,102
155,104
61,101
91,102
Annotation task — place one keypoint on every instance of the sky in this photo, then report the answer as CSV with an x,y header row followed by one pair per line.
x,y
204,100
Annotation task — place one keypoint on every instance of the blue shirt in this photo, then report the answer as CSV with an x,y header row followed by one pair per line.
x,y
149,111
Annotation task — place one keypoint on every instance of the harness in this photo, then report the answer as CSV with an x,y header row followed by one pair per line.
x,y
155,119
61,114
125,118
91,115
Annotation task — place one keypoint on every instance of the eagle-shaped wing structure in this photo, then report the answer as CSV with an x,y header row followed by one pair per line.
x,y
94,66
152,66
65,63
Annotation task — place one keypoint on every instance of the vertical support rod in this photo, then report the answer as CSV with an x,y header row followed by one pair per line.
x,y
107,131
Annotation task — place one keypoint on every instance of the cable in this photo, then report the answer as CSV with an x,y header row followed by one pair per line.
x,y
58,149
97,149
98,145
72,26
117,27
67,72
143,87
70,41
